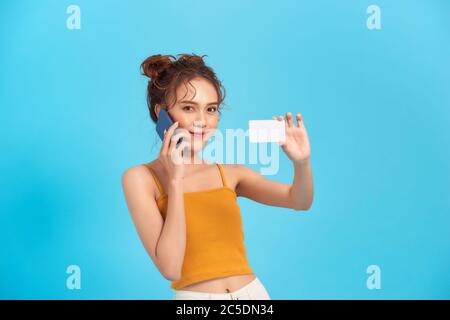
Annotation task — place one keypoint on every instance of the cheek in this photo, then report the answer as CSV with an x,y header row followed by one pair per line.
x,y
184,122
213,122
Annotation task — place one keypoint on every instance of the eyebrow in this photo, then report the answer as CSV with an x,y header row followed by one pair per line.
x,y
193,102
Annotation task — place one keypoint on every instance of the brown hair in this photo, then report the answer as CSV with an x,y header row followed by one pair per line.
x,y
166,73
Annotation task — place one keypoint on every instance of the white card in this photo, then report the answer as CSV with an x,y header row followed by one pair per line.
x,y
266,130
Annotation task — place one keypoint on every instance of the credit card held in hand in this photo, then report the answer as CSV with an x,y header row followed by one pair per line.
x,y
266,130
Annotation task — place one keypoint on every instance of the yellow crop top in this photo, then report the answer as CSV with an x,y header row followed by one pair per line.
x,y
214,236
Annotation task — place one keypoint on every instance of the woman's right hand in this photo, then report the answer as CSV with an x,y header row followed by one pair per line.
x,y
170,155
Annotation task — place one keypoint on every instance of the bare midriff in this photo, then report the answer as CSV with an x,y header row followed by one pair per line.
x,y
221,285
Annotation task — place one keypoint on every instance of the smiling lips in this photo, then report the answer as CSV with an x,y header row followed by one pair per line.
x,y
197,134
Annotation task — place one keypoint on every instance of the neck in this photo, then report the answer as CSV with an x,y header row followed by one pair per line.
x,y
193,160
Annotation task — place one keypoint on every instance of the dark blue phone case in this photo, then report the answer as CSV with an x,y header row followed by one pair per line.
x,y
163,123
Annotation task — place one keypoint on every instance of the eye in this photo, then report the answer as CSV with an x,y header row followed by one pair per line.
x,y
184,108
214,109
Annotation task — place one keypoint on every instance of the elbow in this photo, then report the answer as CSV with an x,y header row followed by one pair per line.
x,y
306,207
301,204
171,275
169,269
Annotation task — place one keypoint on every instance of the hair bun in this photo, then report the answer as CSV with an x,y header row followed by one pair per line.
x,y
191,58
154,65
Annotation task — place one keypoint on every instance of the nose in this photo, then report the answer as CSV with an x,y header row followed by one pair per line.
x,y
199,122
201,116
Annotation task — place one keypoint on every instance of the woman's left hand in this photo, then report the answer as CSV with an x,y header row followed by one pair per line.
x,y
296,145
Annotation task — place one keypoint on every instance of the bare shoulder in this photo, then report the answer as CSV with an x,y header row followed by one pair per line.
x,y
139,177
235,168
138,172
235,172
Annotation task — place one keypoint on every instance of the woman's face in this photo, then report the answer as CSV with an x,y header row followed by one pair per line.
x,y
199,115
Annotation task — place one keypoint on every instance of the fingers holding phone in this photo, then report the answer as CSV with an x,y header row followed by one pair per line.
x,y
166,140
170,154
179,143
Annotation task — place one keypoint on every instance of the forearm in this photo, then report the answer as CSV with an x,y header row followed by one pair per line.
x,y
302,189
172,241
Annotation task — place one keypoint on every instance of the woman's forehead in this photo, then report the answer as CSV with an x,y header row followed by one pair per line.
x,y
197,90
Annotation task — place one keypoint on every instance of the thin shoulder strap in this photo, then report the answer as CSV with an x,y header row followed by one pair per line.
x,y
222,174
160,188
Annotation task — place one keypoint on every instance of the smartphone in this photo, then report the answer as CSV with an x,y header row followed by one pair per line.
x,y
163,123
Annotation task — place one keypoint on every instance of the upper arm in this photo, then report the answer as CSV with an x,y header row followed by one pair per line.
x,y
139,195
253,185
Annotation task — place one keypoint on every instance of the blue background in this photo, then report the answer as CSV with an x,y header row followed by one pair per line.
x,y
375,104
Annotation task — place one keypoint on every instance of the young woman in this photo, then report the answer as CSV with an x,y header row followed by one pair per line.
x,y
184,208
